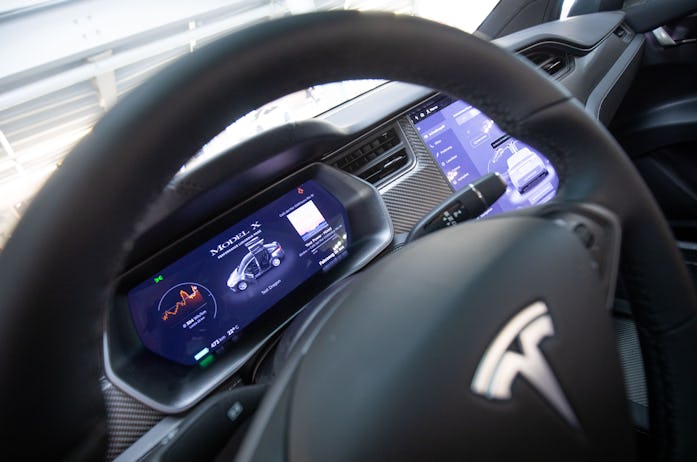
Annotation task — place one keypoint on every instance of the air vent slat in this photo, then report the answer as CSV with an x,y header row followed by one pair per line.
x,y
366,159
551,61
386,167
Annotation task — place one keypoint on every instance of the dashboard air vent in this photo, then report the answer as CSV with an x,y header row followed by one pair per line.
x,y
385,167
375,158
553,62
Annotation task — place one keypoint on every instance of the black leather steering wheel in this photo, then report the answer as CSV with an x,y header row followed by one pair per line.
x,y
390,373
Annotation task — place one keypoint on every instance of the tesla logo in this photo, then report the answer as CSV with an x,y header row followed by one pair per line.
x,y
256,225
501,364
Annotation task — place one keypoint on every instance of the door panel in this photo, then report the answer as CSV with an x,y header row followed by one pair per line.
x,y
657,122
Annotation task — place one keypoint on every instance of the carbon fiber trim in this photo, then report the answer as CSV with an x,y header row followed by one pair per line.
x,y
417,192
127,419
632,362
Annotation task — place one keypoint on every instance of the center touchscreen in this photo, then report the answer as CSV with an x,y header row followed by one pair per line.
x,y
467,144
186,311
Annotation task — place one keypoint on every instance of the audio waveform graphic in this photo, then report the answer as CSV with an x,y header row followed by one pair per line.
x,y
195,298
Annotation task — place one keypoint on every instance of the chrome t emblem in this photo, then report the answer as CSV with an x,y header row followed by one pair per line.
x,y
500,365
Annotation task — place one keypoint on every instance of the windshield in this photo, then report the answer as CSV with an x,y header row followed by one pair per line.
x,y
80,57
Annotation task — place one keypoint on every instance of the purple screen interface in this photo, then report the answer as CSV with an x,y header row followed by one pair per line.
x,y
188,310
466,144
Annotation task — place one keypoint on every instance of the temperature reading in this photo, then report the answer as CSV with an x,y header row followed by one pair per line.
x,y
233,329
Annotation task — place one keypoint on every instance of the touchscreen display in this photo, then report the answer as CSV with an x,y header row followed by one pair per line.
x,y
186,311
466,144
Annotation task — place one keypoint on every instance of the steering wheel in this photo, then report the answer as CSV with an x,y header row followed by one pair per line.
x,y
487,340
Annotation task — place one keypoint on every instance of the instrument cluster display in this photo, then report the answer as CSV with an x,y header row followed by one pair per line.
x,y
188,310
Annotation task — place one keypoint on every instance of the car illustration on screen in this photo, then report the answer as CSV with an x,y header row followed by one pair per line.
x,y
526,170
260,259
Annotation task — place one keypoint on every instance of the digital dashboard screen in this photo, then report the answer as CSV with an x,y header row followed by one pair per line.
x,y
186,311
466,144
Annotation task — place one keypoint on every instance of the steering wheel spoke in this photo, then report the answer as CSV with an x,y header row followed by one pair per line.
x,y
598,229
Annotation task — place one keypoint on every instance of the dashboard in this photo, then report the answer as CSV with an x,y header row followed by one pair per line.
x,y
232,252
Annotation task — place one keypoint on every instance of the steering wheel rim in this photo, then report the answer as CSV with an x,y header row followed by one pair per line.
x,y
162,123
